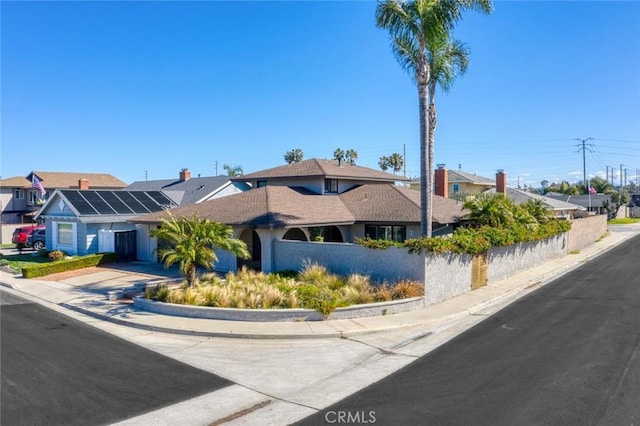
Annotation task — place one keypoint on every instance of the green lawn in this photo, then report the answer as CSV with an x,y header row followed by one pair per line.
x,y
624,221
18,261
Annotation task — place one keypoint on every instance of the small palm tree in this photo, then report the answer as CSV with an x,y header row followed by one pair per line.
x,y
396,161
351,156
233,170
384,163
294,156
493,210
193,242
339,155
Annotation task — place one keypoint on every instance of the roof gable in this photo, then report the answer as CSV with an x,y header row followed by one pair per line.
x,y
322,168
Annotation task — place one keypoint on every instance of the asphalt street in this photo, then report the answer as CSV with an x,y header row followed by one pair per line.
x,y
58,371
566,354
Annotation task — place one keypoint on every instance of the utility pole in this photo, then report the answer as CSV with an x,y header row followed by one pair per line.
x,y
404,158
584,162
621,176
216,168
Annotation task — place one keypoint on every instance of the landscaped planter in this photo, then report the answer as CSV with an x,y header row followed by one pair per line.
x,y
276,315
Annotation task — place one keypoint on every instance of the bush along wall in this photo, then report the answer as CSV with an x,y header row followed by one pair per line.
x,y
43,269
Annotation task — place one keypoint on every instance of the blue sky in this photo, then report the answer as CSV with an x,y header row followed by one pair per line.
x,y
143,89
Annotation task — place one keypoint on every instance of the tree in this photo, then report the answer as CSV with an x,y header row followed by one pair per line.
x,y
339,155
494,210
193,243
601,185
544,184
384,163
396,161
351,156
414,27
294,156
233,170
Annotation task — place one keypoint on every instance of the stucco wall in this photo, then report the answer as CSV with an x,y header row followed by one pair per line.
x,y
586,231
447,275
390,264
510,260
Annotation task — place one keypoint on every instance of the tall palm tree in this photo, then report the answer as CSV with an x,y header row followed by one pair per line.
x,y
412,26
193,242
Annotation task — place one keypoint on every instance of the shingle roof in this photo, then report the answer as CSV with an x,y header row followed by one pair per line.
x,y
184,192
281,206
519,196
269,206
390,203
584,200
63,180
326,168
456,176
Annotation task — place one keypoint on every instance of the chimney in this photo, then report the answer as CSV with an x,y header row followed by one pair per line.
x,y
441,181
185,174
83,184
501,182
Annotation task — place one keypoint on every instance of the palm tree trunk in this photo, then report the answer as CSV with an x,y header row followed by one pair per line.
x,y
431,146
425,161
191,274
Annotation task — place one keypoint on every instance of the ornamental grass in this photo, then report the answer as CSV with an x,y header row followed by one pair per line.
x,y
314,287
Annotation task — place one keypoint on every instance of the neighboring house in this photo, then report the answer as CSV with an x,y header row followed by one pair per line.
x,y
191,190
20,200
314,200
559,208
92,221
591,202
456,183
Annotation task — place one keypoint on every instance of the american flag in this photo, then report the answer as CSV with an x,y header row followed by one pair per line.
x,y
35,183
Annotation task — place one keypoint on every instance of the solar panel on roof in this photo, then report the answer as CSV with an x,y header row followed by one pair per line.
x,y
79,202
115,202
131,202
160,198
146,201
97,202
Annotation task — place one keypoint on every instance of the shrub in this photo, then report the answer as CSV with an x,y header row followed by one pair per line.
x,y
42,269
377,244
56,255
43,252
406,289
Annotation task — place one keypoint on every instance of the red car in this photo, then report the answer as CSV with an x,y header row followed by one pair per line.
x,y
21,236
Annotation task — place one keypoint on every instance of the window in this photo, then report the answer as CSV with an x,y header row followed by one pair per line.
x,y
65,234
456,188
331,185
386,232
19,194
261,183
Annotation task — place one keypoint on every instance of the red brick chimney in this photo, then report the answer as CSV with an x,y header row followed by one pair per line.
x,y
83,184
501,182
441,181
185,174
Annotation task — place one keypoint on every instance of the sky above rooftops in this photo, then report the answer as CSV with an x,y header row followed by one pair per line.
x,y
141,90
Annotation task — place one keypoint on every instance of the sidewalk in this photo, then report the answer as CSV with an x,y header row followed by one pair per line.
x,y
87,295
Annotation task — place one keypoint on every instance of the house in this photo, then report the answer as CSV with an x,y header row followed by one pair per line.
x,y
314,200
560,209
92,221
191,190
19,200
456,183
591,202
